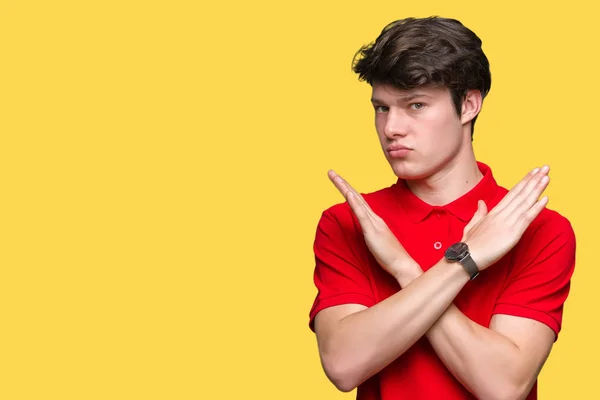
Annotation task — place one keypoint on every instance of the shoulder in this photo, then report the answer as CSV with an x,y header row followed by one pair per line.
x,y
551,225
552,221
342,214
342,211
548,223
549,236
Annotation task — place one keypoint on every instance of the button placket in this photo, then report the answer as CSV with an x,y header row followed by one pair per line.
x,y
439,244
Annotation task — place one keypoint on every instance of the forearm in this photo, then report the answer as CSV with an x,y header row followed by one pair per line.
x,y
486,362
365,342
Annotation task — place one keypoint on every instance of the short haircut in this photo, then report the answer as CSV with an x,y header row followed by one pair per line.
x,y
437,51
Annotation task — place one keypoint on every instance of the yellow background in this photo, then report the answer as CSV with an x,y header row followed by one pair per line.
x,y
163,167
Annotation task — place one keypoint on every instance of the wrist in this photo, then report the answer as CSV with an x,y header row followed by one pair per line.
x,y
458,271
407,271
462,253
476,255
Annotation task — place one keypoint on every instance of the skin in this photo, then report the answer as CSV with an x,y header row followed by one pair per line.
x,y
499,362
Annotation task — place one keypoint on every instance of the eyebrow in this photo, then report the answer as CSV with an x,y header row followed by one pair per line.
x,y
402,99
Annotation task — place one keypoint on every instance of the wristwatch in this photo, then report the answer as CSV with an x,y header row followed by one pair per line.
x,y
459,252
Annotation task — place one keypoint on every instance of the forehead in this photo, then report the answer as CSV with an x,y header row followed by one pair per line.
x,y
387,92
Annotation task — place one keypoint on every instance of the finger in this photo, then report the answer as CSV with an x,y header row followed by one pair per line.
x,y
344,187
482,208
339,183
474,220
516,189
533,212
364,219
514,192
477,216
359,207
529,197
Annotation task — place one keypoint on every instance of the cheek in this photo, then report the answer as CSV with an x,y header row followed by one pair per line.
x,y
442,135
446,123
379,127
379,123
442,118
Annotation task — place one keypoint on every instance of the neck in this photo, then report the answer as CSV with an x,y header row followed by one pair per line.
x,y
453,181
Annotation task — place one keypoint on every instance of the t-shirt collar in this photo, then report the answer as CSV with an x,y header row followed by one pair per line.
x,y
463,208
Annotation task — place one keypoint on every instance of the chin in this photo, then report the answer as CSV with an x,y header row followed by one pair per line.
x,y
408,172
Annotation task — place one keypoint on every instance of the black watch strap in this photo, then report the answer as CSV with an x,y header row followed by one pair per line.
x,y
470,266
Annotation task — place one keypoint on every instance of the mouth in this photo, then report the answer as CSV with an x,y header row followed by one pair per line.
x,y
398,151
394,147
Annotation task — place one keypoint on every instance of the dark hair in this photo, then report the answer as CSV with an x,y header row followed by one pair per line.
x,y
419,51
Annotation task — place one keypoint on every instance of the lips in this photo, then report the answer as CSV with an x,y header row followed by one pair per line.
x,y
398,151
395,147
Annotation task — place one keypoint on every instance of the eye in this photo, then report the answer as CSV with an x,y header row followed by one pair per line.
x,y
417,106
381,109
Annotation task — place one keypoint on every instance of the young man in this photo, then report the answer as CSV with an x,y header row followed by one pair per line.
x,y
422,292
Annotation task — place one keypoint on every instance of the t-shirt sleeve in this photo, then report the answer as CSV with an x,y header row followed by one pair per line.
x,y
540,281
340,276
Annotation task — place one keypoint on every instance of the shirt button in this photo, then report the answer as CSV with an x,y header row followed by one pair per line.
x,y
437,245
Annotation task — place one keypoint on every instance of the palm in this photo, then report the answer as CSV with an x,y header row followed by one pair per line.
x,y
491,235
379,238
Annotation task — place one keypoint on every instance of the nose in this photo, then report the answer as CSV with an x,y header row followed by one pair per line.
x,y
395,125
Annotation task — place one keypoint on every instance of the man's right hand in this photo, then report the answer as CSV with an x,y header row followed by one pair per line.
x,y
491,235
382,243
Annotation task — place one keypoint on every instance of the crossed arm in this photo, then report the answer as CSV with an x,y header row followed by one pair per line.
x,y
501,361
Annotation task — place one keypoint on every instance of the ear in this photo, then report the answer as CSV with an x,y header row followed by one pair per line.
x,y
471,106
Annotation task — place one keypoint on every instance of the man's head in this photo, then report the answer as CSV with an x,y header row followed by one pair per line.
x,y
429,51
441,60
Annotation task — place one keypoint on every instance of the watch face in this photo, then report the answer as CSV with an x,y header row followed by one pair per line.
x,y
457,251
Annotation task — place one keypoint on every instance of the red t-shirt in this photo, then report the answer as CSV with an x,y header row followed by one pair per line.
x,y
531,281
